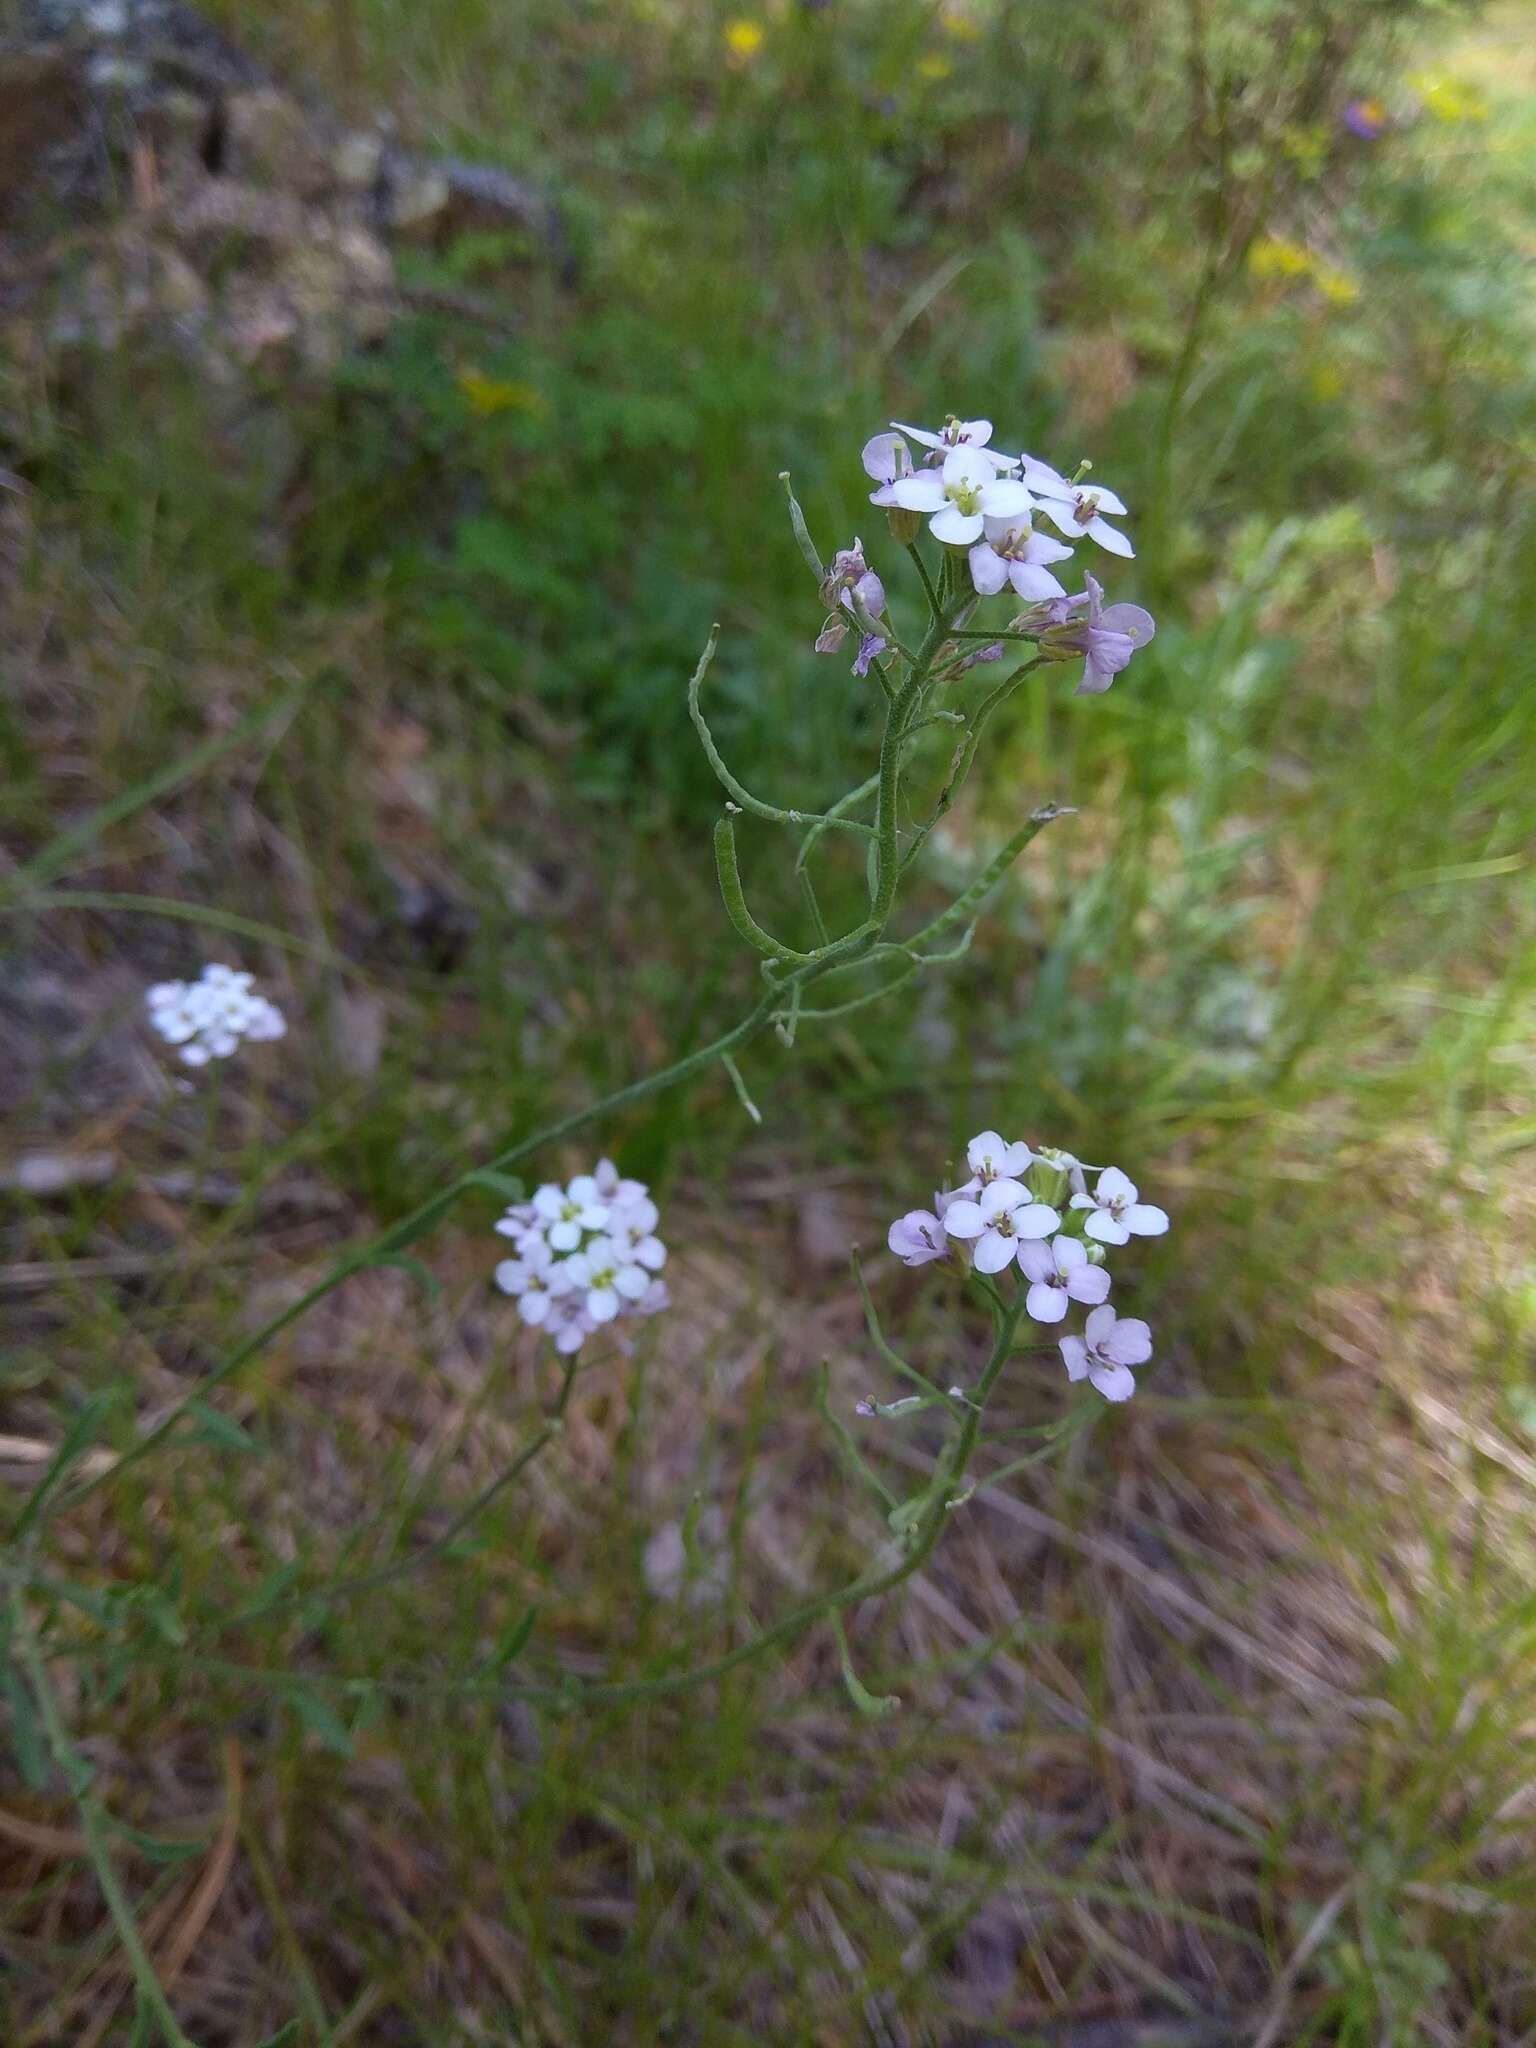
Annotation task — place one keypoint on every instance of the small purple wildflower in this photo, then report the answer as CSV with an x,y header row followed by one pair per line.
x,y
1106,639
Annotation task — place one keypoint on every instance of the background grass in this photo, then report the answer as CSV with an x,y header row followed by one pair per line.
x,y
1216,1728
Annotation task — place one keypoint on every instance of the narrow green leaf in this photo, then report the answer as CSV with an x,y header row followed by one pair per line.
x,y
26,1737
320,1718
81,1434
513,1640
407,1263
507,1185
282,2038
214,1427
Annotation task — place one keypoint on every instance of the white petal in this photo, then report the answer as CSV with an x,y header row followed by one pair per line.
x,y
593,1215
978,431
965,1219
584,1189
1036,1219
1016,1161
1005,499
921,493
1033,584
1106,1229
564,1236
994,1252
631,1281
195,1055
1146,1220
1113,1381
511,1276
999,1195
549,1200
1061,516
1041,478
1046,1304
602,1304
1107,500
984,1150
989,572
967,468
1068,1254
533,1306
922,435
955,528
1115,1186
1110,538
651,1252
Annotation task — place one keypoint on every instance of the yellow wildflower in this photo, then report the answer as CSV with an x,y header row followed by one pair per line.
x,y
488,396
965,28
743,39
1274,256
933,66
1449,99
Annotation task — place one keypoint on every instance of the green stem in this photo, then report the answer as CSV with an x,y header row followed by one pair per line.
x,y
93,1823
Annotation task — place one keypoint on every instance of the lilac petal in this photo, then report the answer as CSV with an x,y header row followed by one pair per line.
x,y
1098,1326
886,495
1128,1343
1115,1186
1045,1304
956,528
923,492
1038,1261
917,1237
1137,624
510,1277
1146,1220
1088,1283
989,572
965,1219
831,637
1075,1352
1113,1381
994,1252
870,647
885,458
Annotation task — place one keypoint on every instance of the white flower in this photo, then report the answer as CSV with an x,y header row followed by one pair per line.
x,y
990,1159
567,1212
1005,1213
961,434
208,1018
635,1240
1117,1214
1077,510
606,1276
1109,1346
962,495
1059,1272
1014,553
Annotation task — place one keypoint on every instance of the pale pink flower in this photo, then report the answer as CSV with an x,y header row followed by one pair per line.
x,y
1003,1214
1109,1346
1060,1272
1117,1214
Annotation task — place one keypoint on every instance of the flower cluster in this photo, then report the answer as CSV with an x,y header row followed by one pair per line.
x,y
1035,1210
207,1018
978,498
587,1254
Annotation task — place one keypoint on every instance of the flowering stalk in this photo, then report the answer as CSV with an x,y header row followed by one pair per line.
x,y
586,1252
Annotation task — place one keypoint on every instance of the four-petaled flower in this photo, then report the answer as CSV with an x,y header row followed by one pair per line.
x,y
989,1158
567,1212
608,1275
1060,1272
1014,553
1078,510
1109,1346
1002,1215
1106,638
962,495
1117,1215
917,1237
